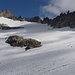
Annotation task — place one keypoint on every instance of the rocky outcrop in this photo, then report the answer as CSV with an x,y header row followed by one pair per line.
x,y
46,21
6,27
21,18
18,41
64,20
6,13
34,19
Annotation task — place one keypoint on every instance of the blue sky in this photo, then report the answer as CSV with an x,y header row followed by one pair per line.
x,y
43,8
27,8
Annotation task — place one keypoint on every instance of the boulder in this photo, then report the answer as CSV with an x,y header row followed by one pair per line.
x,y
15,41
18,41
32,43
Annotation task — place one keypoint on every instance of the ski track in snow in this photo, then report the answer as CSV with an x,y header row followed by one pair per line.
x,y
55,57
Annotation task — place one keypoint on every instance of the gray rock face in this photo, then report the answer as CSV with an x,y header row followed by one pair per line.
x,y
6,13
21,18
64,20
17,41
46,21
34,19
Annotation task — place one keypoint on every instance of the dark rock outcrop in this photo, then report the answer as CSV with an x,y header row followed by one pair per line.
x,y
64,20
6,27
34,19
18,41
46,21
31,43
21,18
15,41
3,26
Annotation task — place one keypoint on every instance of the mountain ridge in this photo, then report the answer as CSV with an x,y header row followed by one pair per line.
x,y
63,20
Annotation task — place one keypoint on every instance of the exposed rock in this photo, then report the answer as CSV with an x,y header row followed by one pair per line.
x,y
34,19
13,17
32,43
6,13
21,18
45,20
18,41
6,27
3,26
15,41
64,20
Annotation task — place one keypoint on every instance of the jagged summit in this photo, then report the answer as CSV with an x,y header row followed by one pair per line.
x,y
64,20
6,13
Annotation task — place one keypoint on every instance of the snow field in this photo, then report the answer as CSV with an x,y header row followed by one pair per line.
x,y
55,57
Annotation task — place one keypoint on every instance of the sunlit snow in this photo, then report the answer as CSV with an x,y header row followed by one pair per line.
x,y
55,57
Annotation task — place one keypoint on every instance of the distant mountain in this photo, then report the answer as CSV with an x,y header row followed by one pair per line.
x,y
6,13
63,20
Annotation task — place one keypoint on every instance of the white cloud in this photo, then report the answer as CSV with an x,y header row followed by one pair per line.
x,y
55,7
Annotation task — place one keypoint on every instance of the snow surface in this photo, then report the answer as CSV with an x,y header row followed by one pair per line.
x,y
12,23
55,57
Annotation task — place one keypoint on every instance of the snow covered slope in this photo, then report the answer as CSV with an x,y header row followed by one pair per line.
x,y
12,23
55,57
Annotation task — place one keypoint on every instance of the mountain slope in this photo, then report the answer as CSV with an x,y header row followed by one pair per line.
x,y
12,23
55,57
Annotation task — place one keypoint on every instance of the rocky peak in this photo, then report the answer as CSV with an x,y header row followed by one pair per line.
x,y
34,19
46,20
6,13
64,20
21,18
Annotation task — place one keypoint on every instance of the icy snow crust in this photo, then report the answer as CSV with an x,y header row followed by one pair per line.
x,y
55,57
